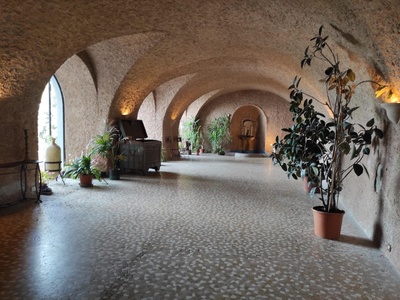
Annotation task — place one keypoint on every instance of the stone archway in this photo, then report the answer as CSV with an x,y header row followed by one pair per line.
x,y
248,130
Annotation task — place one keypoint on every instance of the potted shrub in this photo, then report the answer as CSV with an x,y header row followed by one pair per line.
x,y
314,146
107,146
219,134
191,132
82,168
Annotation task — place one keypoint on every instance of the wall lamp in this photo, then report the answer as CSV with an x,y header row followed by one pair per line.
x,y
392,111
391,104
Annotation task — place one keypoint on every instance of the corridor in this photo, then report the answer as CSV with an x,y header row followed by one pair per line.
x,y
204,227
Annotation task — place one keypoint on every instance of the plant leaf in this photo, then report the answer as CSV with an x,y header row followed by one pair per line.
x,y
345,147
370,122
353,153
320,30
315,170
298,82
351,75
379,133
312,192
366,171
367,137
306,51
358,169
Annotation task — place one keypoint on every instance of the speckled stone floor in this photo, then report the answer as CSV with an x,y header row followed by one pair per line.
x,y
205,227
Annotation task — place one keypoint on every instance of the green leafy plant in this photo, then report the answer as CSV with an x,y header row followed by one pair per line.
x,y
314,146
192,132
219,133
81,166
46,177
107,146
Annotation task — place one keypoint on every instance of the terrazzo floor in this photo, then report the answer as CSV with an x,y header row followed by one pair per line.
x,y
204,227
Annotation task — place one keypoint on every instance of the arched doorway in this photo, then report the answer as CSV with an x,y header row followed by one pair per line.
x,y
51,118
248,130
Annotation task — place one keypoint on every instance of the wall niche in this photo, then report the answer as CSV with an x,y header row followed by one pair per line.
x,y
248,128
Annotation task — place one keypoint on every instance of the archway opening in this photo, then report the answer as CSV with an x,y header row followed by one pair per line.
x,y
51,118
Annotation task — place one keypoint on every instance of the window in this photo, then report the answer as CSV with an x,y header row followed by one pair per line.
x,y
51,118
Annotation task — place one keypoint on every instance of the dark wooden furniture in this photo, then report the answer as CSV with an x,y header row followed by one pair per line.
x,y
141,154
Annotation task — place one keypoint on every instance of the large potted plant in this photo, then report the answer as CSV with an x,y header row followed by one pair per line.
x,y
107,145
315,145
82,168
219,133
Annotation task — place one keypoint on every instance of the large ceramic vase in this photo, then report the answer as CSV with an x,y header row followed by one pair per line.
x,y
114,174
53,157
86,180
327,225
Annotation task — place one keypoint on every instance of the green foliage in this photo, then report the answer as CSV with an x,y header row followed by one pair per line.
x,y
107,145
163,155
46,177
219,133
315,146
192,133
81,166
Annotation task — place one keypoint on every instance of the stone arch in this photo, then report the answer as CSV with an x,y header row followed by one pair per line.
x,y
80,101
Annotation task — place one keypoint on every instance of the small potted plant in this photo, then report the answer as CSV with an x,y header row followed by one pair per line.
x,y
315,145
82,168
107,146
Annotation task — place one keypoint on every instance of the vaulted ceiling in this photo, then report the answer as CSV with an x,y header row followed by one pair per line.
x,y
222,45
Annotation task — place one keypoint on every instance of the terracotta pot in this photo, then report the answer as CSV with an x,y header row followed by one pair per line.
x,y
86,180
327,225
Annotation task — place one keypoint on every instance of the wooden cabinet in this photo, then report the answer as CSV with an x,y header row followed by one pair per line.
x,y
141,156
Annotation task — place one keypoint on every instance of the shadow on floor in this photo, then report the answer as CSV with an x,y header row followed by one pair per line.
x,y
357,241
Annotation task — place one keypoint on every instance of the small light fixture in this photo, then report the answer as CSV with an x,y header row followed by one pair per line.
x,y
391,104
392,111
125,111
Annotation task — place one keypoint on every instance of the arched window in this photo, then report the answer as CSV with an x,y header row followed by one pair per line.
x,y
51,118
